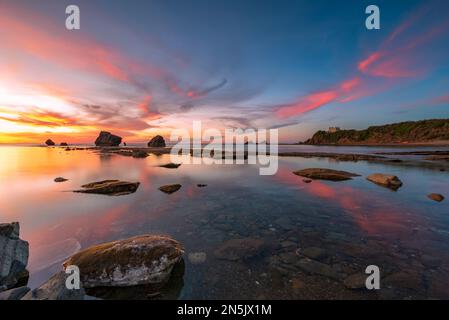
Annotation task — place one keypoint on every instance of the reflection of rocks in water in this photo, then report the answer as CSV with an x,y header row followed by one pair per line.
x,y
169,290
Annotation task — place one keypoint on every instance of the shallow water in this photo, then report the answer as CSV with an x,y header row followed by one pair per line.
x,y
355,223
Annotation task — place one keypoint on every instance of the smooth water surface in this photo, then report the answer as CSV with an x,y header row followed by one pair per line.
x,y
353,223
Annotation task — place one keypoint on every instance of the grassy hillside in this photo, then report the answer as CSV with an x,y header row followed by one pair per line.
x,y
423,131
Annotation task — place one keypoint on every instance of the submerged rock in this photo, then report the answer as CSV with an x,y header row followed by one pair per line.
x,y
197,257
49,142
106,139
60,179
355,281
436,197
390,181
55,289
315,267
170,165
238,249
307,180
139,154
314,253
139,260
201,185
325,174
170,188
13,257
110,187
157,142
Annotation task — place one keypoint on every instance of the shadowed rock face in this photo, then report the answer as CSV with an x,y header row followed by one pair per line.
x,y
110,187
55,289
106,139
157,142
239,249
385,180
146,259
49,142
325,174
13,257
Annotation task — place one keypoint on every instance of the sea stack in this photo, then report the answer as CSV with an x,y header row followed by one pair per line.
x,y
157,142
49,142
106,139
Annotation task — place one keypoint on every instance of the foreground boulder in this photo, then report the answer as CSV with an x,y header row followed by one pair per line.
x,y
55,289
239,249
436,197
325,174
389,181
106,139
13,257
49,142
170,188
146,259
14,294
110,187
157,142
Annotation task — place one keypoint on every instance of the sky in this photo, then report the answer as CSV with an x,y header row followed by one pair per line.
x,y
141,68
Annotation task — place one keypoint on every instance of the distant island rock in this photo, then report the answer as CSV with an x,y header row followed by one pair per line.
x,y
106,139
49,142
63,144
157,142
414,132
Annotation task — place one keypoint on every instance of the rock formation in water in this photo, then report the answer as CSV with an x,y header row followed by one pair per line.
x,y
405,132
49,142
389,181
146,259
170,188
170,165
13,257
110,187
63,144
157,142
106,139
436,197
325,174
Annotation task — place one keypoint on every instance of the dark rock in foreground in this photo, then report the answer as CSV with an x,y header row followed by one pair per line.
x,y
14,294
170,188
49,142
60,179
106,139
55,289
436,197
110,187
13,257
145,259
325,174
170,165
157,142
239,249
389,181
